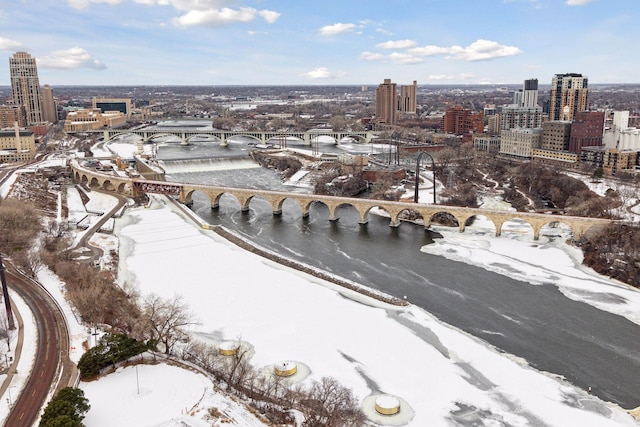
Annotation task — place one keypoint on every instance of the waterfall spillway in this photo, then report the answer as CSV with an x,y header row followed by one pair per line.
x,y
209,164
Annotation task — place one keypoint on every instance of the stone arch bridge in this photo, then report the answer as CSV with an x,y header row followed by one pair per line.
x,y
184,193
185,135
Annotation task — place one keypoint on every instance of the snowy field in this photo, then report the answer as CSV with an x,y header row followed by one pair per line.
x,y
443,376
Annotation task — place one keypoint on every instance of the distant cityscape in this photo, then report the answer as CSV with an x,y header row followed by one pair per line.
x,y
566,121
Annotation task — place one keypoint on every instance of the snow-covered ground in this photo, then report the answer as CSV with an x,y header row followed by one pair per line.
x,y
159,395
286,315
442,376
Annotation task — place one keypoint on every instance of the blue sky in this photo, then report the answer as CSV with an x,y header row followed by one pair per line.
x,y
321,42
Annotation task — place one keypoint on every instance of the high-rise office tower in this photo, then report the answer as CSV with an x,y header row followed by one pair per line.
x,y
530,93
25,86
568,96
386,102
49,109
408,98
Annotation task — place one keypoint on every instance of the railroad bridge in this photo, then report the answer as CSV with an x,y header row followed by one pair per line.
x,y
184,193
186,134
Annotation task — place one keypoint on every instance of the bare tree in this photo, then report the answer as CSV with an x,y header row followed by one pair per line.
x,y
29,261
167,320
6,332
327,403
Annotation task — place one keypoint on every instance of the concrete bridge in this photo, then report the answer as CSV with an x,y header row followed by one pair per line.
x,y
186,134
427,212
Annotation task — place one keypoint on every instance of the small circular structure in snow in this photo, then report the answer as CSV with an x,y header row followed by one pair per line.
x,y
387,405
285,368
387,410
229,348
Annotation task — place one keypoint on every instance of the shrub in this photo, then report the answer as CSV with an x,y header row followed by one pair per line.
x,y
111,349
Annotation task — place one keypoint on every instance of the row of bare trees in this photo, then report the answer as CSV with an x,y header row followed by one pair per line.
x,y
323,402
164,323
614,251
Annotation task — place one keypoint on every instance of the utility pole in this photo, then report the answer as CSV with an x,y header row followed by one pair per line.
x,y
5,294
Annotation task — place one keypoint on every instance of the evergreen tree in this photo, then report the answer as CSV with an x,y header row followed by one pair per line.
x,y
66,409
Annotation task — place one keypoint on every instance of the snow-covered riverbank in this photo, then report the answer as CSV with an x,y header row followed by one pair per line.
x,y
442,373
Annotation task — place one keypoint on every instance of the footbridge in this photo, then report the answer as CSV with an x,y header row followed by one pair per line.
x,y
186,134
396,211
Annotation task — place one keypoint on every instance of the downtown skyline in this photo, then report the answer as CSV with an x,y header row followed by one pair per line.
x,y
284,42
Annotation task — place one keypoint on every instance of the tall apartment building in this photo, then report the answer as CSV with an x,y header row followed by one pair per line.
x,y
530,93
586,130
568,96
12,114
25,86
461,121
555,135
386,102
408,102
49,108
514,116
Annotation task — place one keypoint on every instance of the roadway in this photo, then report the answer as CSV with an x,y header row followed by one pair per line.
x,y
51,364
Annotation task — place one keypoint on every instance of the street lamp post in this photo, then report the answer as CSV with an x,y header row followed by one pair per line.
x,y
433,167
5,294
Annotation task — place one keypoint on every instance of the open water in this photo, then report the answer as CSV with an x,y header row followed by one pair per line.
x,y
585,345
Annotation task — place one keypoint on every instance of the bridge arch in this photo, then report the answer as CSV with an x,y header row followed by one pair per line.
x,y
112,136
443,217
123,187
209,138
473,220
317,205
229,138
358,137
107,185
517,222
155,136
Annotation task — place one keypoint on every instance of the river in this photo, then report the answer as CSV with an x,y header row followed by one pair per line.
x,y
589,347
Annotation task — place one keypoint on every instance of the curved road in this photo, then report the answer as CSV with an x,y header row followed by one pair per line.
x,y
52,346
52,363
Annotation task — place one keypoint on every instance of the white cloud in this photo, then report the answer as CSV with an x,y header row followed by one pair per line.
x,y
396,44
440,77
187,5
404,58
429,50
269,15
75,57
578,2
383,31
370,56
322,73
216,17
335,29
480,50
210,12
7,44
83,4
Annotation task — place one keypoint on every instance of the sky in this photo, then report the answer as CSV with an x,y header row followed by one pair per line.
x,y
302,42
